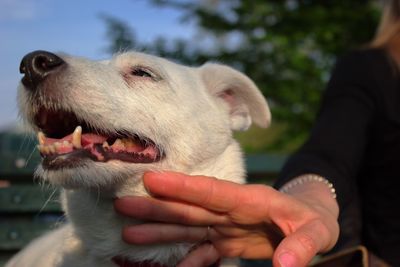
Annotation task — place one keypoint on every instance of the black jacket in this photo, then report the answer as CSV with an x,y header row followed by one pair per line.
x,y
355,144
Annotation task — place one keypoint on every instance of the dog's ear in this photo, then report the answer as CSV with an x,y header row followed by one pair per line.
x,y
245,101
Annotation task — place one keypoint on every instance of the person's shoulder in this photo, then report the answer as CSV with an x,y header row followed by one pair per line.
x,y
363,55
362,64
364,58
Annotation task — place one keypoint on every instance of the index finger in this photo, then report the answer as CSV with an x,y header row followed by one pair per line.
x,y
208,192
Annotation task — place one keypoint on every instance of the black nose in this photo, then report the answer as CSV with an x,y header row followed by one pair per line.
x,y
36,66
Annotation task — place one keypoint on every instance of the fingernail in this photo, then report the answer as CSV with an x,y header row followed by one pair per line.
x,y
287,259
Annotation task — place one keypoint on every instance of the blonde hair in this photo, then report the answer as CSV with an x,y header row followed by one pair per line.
x,y
388,33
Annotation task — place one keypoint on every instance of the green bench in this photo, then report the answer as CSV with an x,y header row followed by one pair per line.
x,y
28,209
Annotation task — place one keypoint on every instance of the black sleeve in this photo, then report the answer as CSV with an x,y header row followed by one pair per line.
x,y
338,139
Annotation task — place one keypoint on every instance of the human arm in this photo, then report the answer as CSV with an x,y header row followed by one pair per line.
x,y
338,141
341,144
248,221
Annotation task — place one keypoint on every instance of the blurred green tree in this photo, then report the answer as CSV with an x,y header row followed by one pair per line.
x,y
287,47
121,35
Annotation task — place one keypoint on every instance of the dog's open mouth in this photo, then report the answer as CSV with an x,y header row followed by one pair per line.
x,y
65,141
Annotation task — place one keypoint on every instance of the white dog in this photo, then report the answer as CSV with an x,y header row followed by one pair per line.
x,y
101,125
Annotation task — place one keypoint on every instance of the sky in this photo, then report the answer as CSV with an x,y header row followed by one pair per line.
x,y
73,27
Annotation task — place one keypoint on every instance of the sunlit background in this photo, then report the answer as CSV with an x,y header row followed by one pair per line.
x,y
288,47
75,27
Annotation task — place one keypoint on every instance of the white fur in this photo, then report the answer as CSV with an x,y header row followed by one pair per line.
x,y
189,112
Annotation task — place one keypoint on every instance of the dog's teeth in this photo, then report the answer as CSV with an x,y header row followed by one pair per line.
x,y
40,148
106,145
57,145
41,138
46,150
118,144
128,142
77,137
67,144
52,149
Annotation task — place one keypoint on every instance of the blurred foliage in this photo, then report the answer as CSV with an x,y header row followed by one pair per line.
x,y
121,35
287,47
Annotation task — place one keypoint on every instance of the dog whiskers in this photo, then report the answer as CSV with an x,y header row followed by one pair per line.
x,y
30,157
47,201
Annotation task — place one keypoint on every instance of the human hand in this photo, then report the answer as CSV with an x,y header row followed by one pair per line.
x,y
247,221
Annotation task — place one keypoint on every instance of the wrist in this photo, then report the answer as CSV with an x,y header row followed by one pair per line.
x,y
314,190
305,179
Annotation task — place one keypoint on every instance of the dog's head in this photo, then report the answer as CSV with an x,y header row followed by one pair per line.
x,y
100,122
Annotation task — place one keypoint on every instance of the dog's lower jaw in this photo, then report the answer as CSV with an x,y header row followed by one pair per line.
x,y
99,227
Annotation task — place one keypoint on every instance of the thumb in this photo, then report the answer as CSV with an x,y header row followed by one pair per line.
x,y
299,247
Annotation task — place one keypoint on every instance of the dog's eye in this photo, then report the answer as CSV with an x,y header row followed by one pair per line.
x,y
140,72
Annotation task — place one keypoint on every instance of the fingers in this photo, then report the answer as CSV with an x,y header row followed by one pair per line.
x,y
146,208
203,256
188,203
211,193
298,248
164,233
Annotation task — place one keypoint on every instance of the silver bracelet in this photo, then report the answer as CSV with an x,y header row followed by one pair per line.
x,y
306,178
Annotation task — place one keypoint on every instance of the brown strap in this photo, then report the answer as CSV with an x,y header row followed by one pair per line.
x,y
354,257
